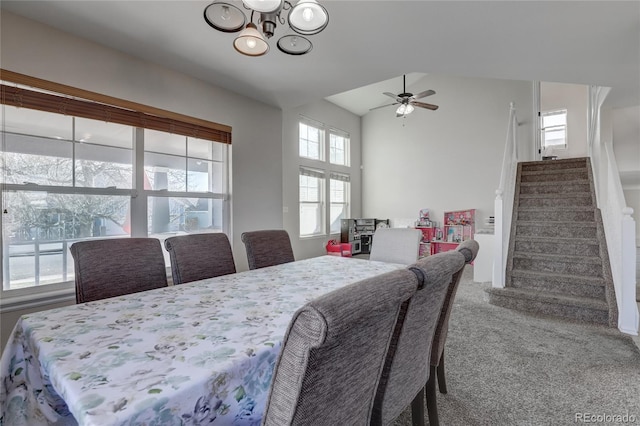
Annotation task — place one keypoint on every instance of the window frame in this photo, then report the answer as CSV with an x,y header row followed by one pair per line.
x,y
321,139
346,202
320,176
346,147
329,169
544,129
37,294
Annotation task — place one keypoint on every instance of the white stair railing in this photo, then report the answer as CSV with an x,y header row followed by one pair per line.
x,y
619,226
503,206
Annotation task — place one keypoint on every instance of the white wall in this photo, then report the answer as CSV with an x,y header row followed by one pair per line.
x,y
449,159
626,137
332,116
626,148
574,98
37,50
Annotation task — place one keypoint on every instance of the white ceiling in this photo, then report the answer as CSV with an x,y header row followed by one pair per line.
x,y
372,43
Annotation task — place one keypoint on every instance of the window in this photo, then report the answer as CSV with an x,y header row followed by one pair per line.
x,y
185,180
322,180
339,200
338,147
311,141
311,202
554,129
70,178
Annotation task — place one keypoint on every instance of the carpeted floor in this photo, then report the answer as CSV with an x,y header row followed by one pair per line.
x,y
511,368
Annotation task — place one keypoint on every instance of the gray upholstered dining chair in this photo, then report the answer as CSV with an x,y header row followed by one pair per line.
x,y
334,351
114,267
407,368
469,249
267,247
396,245
198,256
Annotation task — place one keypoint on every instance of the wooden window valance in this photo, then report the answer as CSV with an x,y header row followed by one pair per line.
x,y
81,103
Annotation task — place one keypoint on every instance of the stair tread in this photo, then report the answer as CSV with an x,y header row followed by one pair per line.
x,y
557,195
586,280
554,182
559,240
556,208
556,223
558,258
584,302
554,171
555,162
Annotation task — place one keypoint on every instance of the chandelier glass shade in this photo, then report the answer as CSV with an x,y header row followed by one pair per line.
x,y
305,18
308,17
250,42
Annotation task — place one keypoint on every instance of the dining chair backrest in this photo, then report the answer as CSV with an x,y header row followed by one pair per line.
x,y
267,247
469,249
115,267
199,256
333,353
396,245
408,363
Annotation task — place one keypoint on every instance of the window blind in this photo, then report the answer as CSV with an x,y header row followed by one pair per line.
x,y
340,176
109,109
304,171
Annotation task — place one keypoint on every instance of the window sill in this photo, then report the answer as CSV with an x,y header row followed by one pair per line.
x,y
36,299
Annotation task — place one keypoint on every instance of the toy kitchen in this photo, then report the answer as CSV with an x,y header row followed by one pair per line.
x,y
359,232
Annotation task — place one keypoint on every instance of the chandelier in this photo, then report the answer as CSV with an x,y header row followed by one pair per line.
x,y
305,18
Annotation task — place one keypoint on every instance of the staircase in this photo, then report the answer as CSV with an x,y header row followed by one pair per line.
x,y
558,262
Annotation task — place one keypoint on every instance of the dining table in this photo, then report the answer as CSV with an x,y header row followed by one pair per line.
x,y
192,354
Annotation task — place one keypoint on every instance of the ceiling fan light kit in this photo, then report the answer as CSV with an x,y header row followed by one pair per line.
x,y
404,109
408,101
306,17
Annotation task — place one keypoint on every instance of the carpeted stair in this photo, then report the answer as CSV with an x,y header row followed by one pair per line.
x,y
558,262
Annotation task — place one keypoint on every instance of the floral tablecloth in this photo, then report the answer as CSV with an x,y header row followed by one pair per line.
x,y
194,354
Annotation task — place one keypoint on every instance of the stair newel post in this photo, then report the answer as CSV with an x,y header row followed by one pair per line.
x,y
498,258
628,316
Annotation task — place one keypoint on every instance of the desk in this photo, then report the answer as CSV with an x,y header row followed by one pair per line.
x,y
197,353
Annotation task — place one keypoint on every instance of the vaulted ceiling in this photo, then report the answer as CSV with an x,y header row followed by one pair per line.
x,y
367,42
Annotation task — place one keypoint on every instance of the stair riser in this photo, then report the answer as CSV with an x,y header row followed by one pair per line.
x,y
560,215
556,202
558,267
567,312
552,231
555,177
566,188
554,165
565,248
559,286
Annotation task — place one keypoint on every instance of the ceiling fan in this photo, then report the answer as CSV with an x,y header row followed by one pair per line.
x,y
407,101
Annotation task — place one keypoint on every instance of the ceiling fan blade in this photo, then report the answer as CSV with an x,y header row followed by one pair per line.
x,y
391,95
424,94
423,105
382,106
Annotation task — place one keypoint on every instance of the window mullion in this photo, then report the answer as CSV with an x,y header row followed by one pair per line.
x,y
73,151
139,226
